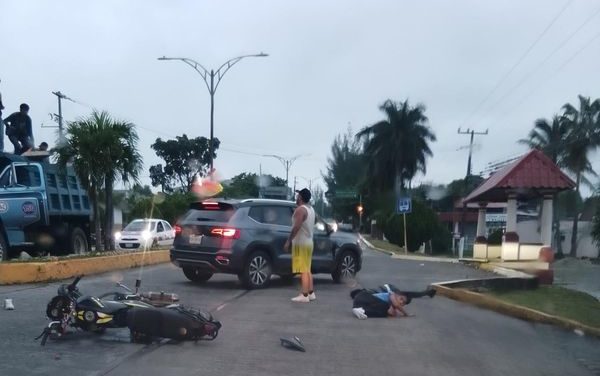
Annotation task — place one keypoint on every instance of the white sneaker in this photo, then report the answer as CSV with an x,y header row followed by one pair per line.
x,y
8,304
312,296
301,299
359,313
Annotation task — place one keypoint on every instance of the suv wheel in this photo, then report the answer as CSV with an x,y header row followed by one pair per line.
x,y
196,275
257,270
346,267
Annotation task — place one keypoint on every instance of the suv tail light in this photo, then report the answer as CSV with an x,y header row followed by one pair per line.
x,y
230,233
177,230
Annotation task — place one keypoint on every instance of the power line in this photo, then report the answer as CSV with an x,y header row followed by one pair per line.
x,y
544,61
171,135
523,99
517,63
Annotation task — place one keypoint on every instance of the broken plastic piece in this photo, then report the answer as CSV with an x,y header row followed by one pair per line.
x,y
293,343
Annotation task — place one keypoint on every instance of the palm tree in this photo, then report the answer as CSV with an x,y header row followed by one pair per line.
x,y
550,138
397,148
102,151
123,161
582,139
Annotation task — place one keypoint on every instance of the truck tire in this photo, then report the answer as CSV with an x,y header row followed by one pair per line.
x,y
3,248
78,242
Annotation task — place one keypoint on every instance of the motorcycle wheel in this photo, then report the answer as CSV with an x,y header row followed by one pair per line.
x,y
58,306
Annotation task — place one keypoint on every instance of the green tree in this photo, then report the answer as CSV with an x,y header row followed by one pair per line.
x,y
583,138
345,171
596,227
102,150
550,138
247,185
397,148
422,226
184,159
171,208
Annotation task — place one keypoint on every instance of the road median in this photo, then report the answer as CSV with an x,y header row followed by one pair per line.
x,y
507,308
44,271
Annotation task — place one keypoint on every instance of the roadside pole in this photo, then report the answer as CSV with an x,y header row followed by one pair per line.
x,y
405,242
403,206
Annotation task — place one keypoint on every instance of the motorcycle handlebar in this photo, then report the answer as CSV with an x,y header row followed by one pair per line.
x,y
75,282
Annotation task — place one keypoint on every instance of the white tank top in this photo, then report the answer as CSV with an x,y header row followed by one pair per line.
x,y
305,234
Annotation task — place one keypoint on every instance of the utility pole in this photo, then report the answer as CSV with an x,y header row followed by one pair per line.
x,y
471,132
59,117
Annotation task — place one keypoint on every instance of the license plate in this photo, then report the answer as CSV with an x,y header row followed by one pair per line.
x,y
196,239
128,245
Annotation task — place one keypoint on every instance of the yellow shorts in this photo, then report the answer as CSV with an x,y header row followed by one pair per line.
x,y
301,258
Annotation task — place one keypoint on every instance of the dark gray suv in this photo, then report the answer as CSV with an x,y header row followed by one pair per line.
x,y
247,237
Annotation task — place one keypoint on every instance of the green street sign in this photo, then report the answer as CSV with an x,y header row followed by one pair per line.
x,y
346,194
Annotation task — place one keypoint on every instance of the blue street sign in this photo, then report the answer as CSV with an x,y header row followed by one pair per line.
x,y
404,205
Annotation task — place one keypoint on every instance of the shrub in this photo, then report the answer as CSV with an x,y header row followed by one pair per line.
x,y
422,226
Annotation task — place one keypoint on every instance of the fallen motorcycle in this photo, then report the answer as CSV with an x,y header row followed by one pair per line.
x,y
156,299
71,309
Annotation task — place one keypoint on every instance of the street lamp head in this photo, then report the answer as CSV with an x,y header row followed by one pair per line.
x,y
162,58
262,54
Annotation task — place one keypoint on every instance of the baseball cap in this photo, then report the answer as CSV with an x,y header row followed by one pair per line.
x,y
305,194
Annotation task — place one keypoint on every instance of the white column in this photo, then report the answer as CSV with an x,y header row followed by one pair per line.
x,y
546,225
511,214
481,227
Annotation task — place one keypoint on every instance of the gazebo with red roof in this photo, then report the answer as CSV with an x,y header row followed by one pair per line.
x,y
531,176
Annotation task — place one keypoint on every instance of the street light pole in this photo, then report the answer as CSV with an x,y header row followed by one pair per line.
x,y
287,163
211,85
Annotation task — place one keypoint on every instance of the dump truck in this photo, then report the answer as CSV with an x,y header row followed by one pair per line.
x,y
43,208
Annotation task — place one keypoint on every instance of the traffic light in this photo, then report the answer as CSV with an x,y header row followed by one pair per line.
x,y
359,209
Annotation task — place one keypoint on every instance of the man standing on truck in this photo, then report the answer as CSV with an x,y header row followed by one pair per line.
x,y
301,239
19,129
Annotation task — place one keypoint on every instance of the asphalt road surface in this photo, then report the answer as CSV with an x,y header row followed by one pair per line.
x,y
444,338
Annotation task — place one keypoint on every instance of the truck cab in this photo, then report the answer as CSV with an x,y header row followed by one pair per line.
x,y
43,209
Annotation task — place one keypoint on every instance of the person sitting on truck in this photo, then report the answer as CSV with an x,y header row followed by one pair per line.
x,y
19,129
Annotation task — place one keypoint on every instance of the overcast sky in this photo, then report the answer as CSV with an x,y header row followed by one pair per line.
x,y
331,65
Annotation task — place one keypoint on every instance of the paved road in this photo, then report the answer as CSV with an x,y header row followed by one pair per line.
x,y
445,338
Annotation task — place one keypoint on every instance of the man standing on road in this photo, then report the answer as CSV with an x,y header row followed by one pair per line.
x,y
301,239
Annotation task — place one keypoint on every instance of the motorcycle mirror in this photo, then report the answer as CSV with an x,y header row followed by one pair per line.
x,y
138,283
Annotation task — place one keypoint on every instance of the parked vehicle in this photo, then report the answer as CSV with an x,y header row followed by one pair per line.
x,y
42,208
247,238
145,233
71,309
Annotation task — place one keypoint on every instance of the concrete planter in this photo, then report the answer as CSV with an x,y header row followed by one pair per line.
x,y
33,272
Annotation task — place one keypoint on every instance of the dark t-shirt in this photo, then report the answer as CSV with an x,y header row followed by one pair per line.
x,y
19,124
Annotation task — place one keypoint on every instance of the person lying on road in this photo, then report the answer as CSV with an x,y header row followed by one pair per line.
x,y
388,302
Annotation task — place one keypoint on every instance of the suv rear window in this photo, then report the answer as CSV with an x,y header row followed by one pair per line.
x,y
274,215
209,211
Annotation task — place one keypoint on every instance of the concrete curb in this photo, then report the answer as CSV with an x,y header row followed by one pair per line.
x,y
32,272
506,272
514,310
407,257
362,239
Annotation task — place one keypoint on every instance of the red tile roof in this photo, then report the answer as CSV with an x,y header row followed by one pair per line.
x,y
530,174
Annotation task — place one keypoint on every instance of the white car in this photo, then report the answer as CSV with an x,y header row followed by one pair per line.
x,y
144,234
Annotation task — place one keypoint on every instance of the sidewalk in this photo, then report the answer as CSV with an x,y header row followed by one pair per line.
x,y
412,257
579,275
